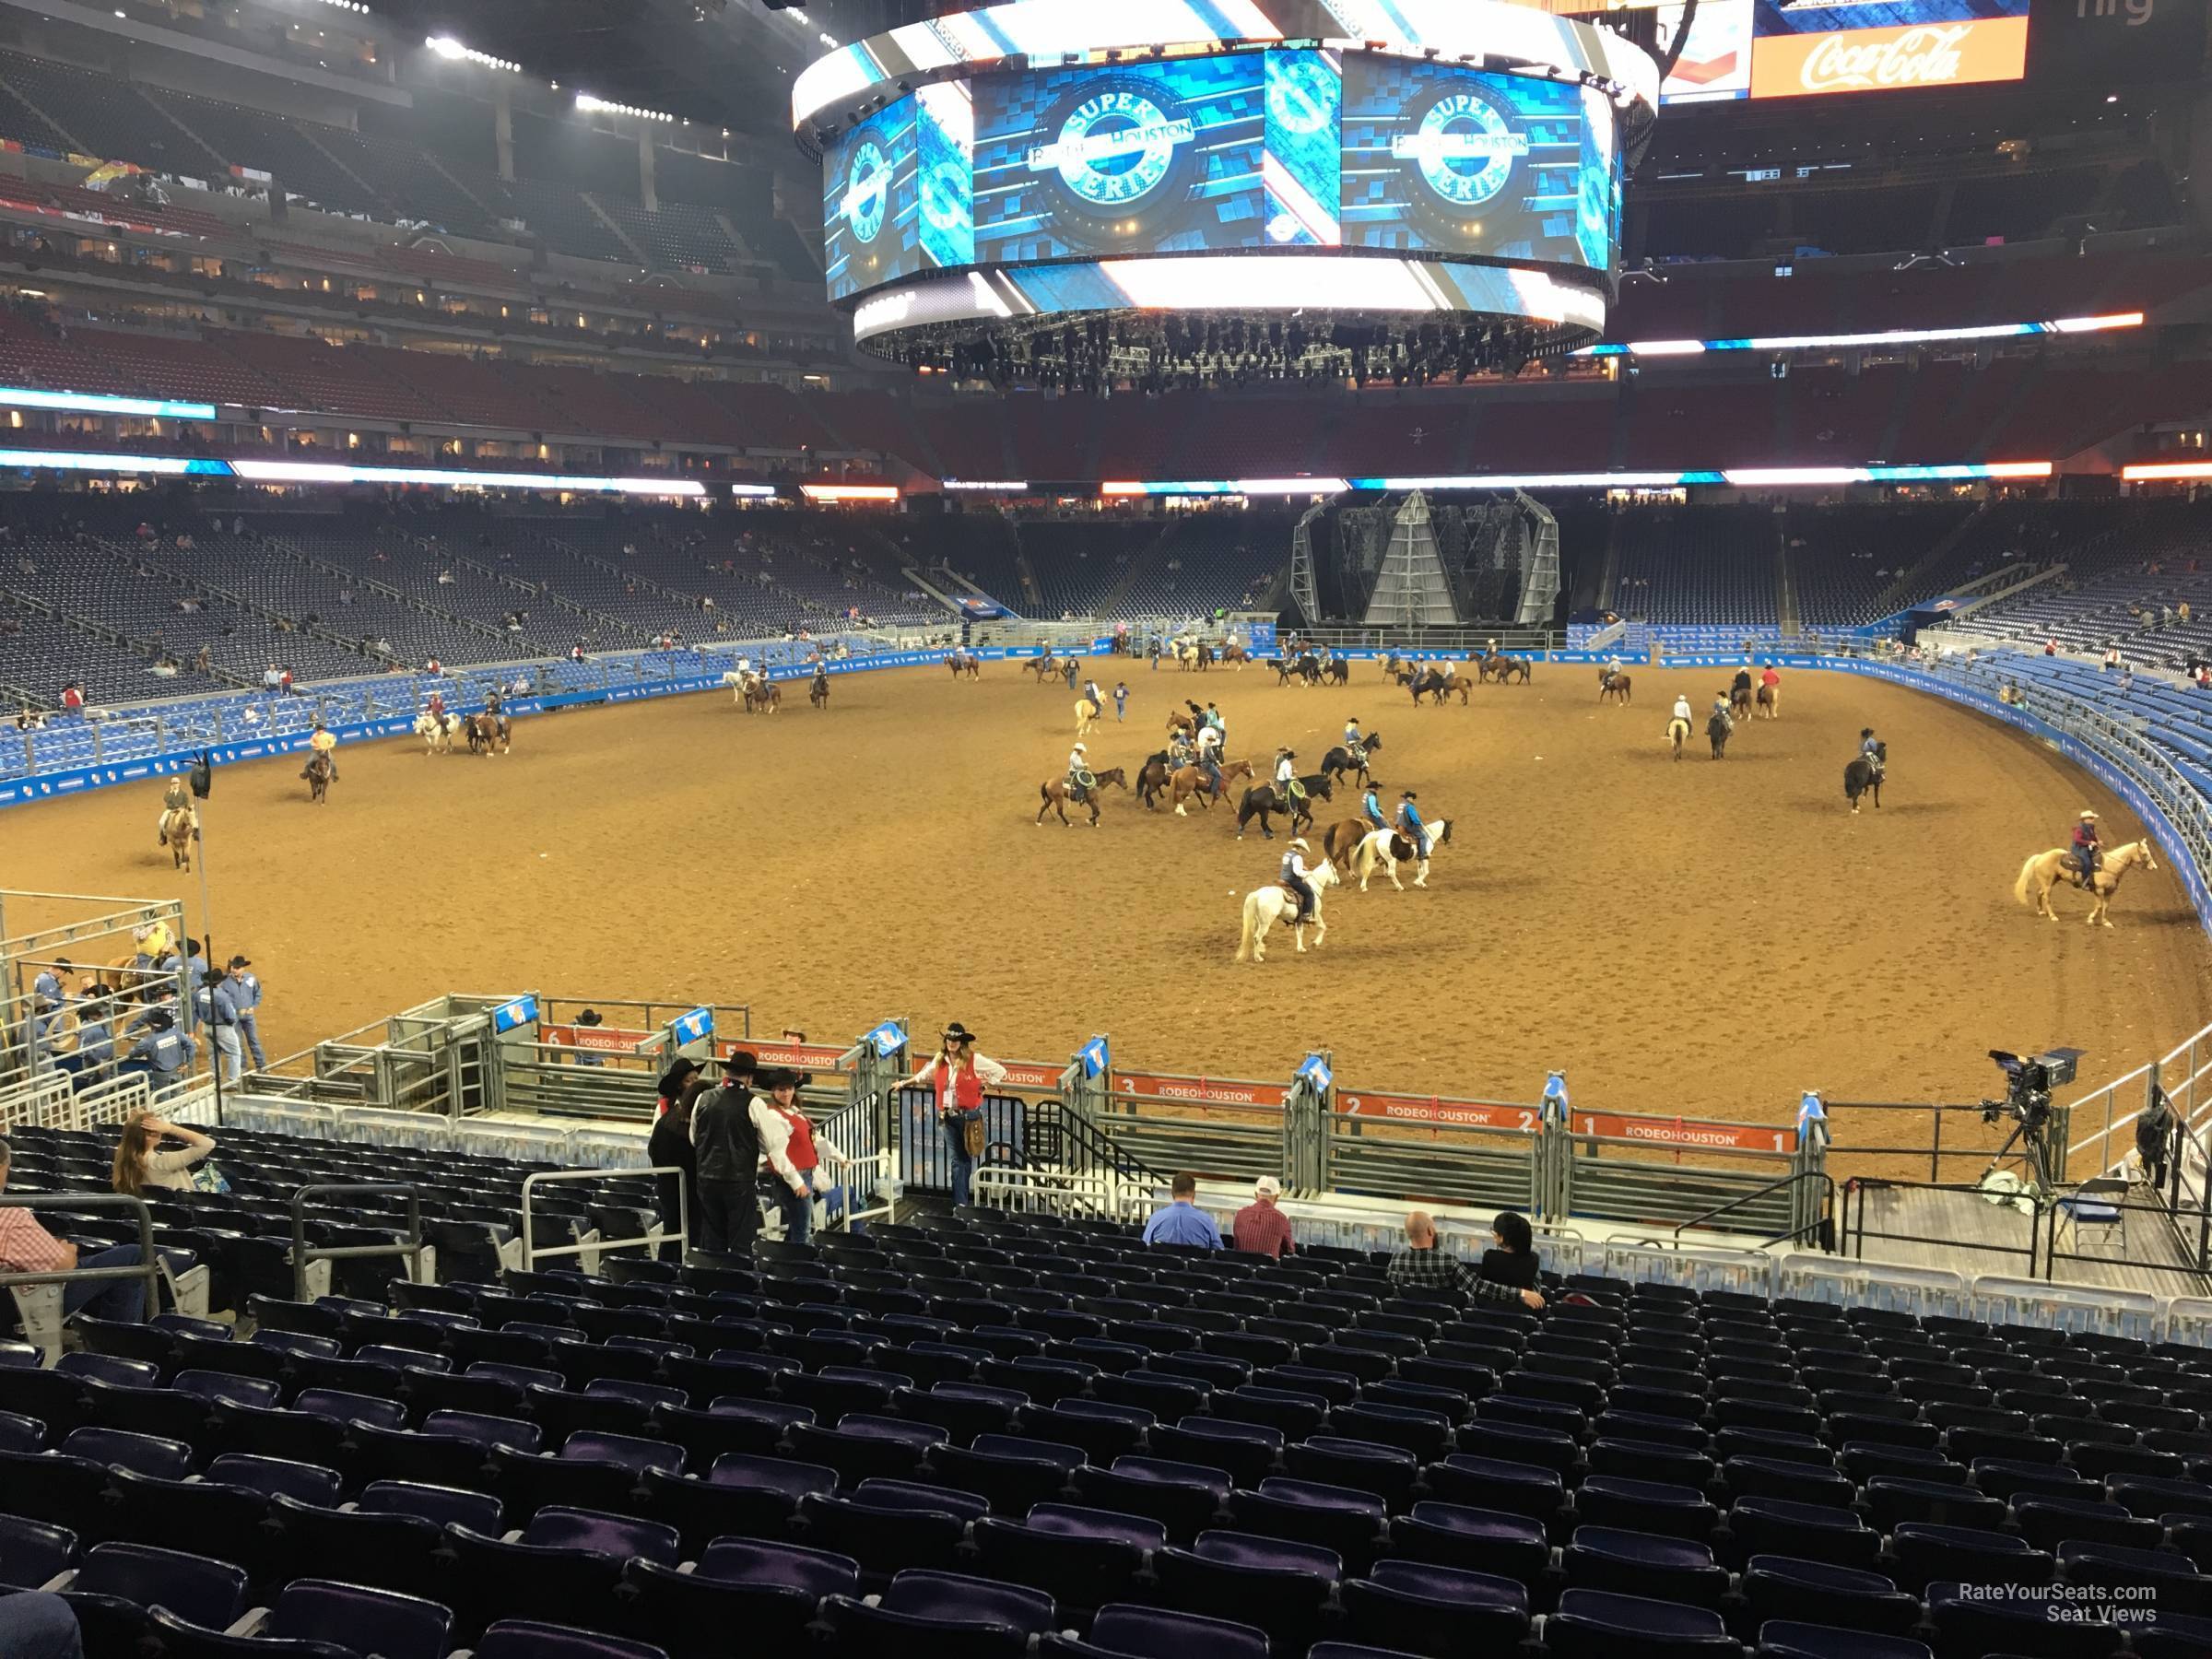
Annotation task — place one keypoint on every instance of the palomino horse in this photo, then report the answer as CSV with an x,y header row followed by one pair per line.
x,y
1340,759
1263,803
1263,907
1087,716
1052,793
177,831
1391,847
487,734
1768,698
320,769
1865,777
1677,734
1612,685
1191,780
436,734
1195,655
1504,667
2045,871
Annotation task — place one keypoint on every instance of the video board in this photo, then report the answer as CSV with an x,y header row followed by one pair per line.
x,y
1240,151
1810,48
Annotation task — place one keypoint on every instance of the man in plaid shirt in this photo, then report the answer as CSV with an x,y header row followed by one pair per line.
x,y
1421,1265
26,1247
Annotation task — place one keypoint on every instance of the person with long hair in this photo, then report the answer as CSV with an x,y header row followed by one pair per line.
x,y
670,1146
141,1162
1512,1260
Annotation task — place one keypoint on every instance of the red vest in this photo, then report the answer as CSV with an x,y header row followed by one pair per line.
x,y
801,1150
967,1087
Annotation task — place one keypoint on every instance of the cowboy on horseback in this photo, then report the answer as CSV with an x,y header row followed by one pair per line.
x,y
1371,806
1295,876
1078,774
2088,850
491,703
1682,707
1870,750
324,742
1287,786
1354,744
1612,669
1209,757
1409,822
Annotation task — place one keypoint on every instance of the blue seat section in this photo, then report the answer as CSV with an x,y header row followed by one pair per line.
x,y
663,1453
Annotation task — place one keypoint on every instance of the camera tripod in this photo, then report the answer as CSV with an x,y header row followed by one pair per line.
x,y
2038,1152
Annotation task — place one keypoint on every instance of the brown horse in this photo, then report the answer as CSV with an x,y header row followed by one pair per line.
x,y
1044,667
1185,723
761,693
1052,793
1739,702
1191,780
176,835
1613,685
320,770
960,663
818,693
1768,698
1504,667
1343,837
487,734
1237,655
2045,871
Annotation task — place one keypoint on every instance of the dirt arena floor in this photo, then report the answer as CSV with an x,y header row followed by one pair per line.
x,y
1694,938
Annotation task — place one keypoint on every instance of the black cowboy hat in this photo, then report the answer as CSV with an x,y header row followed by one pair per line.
x,y
236,961
957,1032
1406,794
775,1077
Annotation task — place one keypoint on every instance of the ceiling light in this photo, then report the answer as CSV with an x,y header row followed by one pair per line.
x,y
446,47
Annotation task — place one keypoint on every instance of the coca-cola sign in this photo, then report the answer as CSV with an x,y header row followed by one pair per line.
x,y
1876,59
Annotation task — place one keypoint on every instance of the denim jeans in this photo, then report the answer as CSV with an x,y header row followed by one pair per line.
x,y
249,1030
122,1301
37,1626
956,1149
230,1054
798,1214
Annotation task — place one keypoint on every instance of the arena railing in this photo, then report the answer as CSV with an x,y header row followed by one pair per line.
x,y
38,1296
591,1249
305,1255
1461,1150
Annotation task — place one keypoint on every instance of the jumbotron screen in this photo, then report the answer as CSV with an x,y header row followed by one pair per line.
x,y
1254,149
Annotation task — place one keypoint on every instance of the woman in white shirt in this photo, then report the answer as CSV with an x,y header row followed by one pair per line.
x,y
788,1143
140,1164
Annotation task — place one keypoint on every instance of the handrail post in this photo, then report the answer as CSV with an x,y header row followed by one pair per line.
x,y
149,1260
302,1256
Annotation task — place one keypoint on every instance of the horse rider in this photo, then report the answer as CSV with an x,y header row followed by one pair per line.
x,y
1870,749
1612,669
1295,876
437,707
1097,700
1212,717
1409,823
1741,683
1371,806
1287,786
1354,744
491,703
323,741
1078,770
820,687
177,798
1770,677
2089,849
1209,757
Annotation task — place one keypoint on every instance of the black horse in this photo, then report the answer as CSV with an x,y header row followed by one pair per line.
x,y
1865,777
1718,727
1264,803
1338,760
1426,683
1339,671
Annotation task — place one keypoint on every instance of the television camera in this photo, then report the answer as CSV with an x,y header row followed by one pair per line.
x,y
2029,1078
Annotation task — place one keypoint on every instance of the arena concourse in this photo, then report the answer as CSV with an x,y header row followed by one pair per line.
x,y
1327,830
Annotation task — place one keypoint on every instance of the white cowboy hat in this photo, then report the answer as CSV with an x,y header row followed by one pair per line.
x,y
1299,843
2089,815
1080,747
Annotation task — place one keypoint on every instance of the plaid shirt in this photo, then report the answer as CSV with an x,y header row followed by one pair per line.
x,y
1432,1269
26,1247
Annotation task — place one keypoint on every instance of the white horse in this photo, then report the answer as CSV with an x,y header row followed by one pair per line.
x,y
437,735
740,680
1375,848
1266,906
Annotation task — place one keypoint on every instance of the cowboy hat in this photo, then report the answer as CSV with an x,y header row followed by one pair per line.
x,y
1299,841
2089,815
957,1032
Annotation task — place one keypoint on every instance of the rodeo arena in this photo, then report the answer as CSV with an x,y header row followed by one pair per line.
x,y
1250,829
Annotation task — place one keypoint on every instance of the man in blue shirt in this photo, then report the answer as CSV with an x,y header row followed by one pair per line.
x,y
245,992
1182,1222
219,1007
162,1056
47,988
95,1040
195,976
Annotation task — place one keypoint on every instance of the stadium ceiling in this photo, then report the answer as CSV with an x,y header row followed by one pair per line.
x,y
709,62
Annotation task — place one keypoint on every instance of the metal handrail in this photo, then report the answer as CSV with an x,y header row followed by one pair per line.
x,y
149,1260
531,1253
302,1255
1772,1186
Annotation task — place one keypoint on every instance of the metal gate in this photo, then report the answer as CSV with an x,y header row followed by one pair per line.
x,y
1228,1128
1748,1178
1486,1153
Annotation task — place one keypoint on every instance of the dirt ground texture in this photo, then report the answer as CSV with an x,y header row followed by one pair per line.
x,y
1693,939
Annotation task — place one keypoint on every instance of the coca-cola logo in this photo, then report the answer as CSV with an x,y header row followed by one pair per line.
x,y
1926,55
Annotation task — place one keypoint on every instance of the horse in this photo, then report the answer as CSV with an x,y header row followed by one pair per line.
x,y
1263,907
1768,698
1339,672
1677,734
1053,794
177,831
819,692
436,734
960,663
319,772
1044,667
1191,780
1087,716
743,680
1263,803
1612,685
1504,667
2045,871
1865,777
762,693
1739,702
1719,728
1341,843
1432,682
1237,655
1339,760
1393,847
1394,668
487,734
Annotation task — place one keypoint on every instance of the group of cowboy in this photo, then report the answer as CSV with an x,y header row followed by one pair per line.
x,y
1296,872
